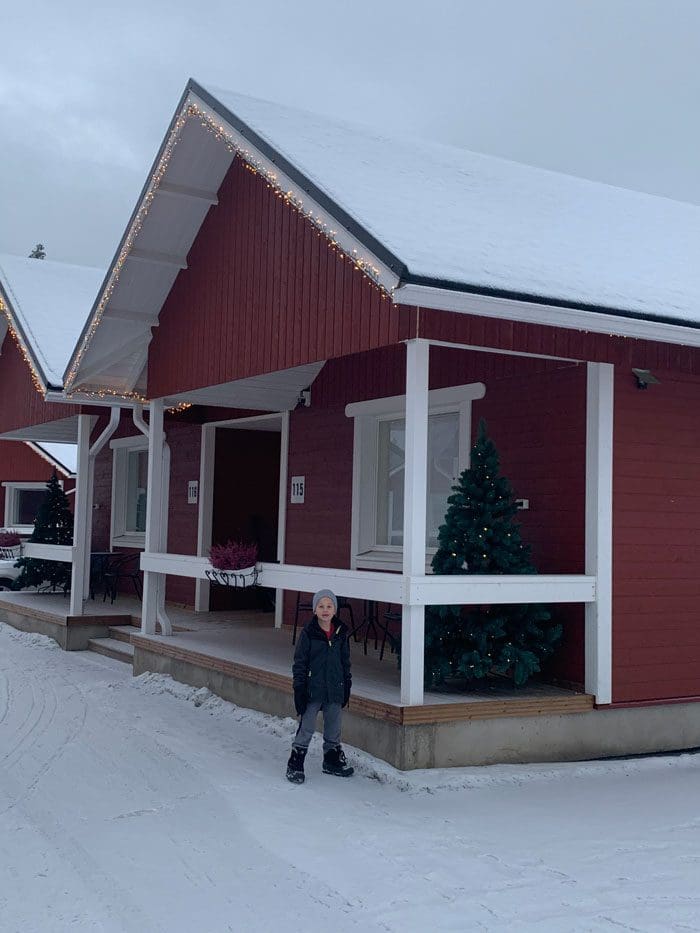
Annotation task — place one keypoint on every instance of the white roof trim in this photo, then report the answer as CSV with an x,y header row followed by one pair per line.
x,y
443,299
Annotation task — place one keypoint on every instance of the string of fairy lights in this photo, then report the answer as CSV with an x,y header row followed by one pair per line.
x,y
37,381
253,164
97,394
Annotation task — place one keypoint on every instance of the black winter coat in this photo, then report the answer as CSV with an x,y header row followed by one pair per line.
x,y
321,668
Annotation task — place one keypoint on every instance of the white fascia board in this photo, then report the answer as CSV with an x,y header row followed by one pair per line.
x,y
83,398
437,398
347,242
529,312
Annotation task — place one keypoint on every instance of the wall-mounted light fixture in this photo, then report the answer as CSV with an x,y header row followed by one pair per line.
x,y
304,398
644,378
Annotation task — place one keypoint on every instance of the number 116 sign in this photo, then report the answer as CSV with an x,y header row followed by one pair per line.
x,y
298,489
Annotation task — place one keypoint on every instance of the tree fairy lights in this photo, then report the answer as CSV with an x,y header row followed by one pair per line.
x,y
252,163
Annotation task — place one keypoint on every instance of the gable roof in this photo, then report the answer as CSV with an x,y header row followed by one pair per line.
x,y
452,218
63,456
431,224
46,304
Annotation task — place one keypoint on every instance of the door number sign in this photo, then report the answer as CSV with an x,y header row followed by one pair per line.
x,y
298,489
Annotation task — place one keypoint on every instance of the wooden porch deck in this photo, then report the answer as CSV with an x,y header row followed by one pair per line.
x,y
245,645
254,651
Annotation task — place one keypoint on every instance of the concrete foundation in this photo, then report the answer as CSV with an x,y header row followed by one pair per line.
x,y
71,632
494,740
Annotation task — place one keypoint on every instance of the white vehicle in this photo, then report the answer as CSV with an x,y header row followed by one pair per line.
x,y
8,572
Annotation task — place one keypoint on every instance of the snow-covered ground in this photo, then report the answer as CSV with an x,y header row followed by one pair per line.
x,y
143,805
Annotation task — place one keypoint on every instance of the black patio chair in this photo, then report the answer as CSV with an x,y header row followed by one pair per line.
x,y
122,567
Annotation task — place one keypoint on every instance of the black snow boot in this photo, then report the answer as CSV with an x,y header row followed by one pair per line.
x,y
295,766
335,762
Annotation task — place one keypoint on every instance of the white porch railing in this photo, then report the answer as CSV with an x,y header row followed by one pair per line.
x,y
60,552
394,588
469,589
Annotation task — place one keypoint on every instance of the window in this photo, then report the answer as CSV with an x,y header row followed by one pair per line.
x,y
129,491
378,471
22,501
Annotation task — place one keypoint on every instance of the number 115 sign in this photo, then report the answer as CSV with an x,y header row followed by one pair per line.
x,y
298,489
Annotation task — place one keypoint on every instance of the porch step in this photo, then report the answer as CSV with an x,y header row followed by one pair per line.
x,y
122,632
112,648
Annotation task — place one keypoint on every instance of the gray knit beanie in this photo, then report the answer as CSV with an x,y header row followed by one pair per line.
x,y
329,595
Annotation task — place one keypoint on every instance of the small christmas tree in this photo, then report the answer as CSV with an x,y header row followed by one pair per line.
x,y
480,535
53,525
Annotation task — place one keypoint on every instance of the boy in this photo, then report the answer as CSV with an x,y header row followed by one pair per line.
x,y
322,681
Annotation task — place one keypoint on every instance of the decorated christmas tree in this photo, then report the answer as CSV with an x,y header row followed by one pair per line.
x,y
480,536
53,525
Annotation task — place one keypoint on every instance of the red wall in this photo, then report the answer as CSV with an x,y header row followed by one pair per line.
x,y
656,539
269,293
535,411
20,464
21,403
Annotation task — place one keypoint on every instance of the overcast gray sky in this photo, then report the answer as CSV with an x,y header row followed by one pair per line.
x,y
606,89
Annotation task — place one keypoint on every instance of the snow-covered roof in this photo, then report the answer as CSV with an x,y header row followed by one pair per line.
x,y
49,303
437,226
455,217
64,456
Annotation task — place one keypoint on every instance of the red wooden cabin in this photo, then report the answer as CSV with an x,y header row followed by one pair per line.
x,y
304,288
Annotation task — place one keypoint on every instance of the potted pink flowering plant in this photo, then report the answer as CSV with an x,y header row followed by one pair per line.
x,y
233,563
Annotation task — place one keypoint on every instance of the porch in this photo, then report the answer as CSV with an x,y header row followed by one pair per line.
x,y
244,658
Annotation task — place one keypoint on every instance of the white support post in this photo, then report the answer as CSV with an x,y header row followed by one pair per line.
x,y
282,512
154,582
599,463
88,528
81,517
414,521
112,425
205,510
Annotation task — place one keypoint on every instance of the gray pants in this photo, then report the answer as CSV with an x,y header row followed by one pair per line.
x,y
332,718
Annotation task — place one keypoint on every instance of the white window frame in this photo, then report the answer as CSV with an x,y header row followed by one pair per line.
x,y
118,535
365,553
11,490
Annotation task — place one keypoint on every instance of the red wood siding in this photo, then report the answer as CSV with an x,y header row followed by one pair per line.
x,y
20,464
535,410
263,292
22,405
656,537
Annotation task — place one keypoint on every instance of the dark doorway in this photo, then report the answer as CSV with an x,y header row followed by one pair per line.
x,y
246,502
